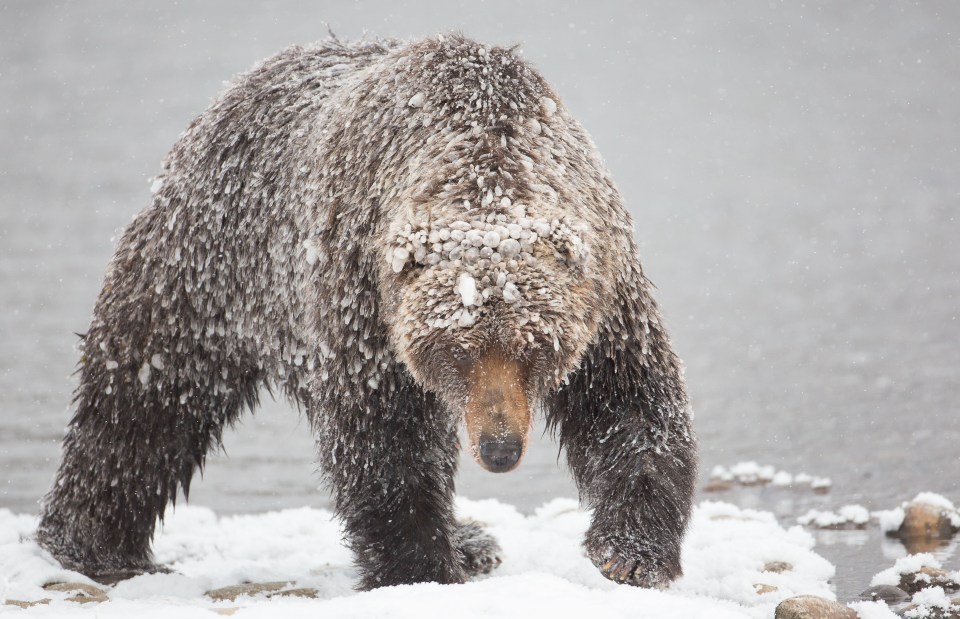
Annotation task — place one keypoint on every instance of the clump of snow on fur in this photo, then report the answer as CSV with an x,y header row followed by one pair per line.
x,y
549,106
492,255
910,564
544,568
846,516
467,289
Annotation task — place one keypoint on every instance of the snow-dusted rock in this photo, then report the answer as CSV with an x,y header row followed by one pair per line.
x,y
813,607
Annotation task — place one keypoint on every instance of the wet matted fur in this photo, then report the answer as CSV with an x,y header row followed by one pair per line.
x,y
361,226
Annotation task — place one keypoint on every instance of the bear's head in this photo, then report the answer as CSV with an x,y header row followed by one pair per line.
x,y
492,312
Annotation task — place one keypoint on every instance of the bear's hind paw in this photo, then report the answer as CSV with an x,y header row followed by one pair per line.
x,y
479,551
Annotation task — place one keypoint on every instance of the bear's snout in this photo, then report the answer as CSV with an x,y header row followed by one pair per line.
x,y
497,412
500,456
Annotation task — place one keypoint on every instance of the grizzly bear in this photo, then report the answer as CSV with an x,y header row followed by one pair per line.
x,y
401,237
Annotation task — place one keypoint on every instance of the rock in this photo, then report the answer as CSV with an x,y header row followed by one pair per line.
x,y
813,607
777,567
25,604
926,521
249,588
885,593
78,588
303,592
718,485
226,611
762,588
912,612
928,577
82,593
87,599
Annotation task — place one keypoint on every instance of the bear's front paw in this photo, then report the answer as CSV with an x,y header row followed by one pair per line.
x,y
640,569
479,551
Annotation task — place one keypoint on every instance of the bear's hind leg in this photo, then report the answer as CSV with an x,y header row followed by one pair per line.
x,y
145,417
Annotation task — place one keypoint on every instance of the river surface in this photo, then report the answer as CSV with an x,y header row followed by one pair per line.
x,y
793,170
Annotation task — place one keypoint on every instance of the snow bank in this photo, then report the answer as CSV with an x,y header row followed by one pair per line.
x,y
544,571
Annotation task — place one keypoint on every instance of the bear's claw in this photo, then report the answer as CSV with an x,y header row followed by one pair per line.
x,y
638,573
479,551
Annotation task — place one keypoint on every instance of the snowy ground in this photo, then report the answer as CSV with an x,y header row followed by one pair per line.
x,y
544,571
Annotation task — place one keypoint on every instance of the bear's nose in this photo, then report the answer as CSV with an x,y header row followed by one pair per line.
x,y
500,456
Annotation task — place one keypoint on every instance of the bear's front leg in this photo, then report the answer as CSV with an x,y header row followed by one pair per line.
x,y
390,457
624,421
640,511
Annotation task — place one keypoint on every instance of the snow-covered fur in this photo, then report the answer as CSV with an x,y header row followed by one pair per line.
x,y
350,224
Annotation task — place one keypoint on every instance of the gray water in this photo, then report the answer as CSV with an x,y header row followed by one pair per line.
x,y
793,170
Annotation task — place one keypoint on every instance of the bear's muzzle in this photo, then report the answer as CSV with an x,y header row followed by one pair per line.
x,y
497,412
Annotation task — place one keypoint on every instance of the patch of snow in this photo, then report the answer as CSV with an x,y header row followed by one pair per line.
x,y
890,519
750,472
932,597
873,610
855,515
937,500
544,571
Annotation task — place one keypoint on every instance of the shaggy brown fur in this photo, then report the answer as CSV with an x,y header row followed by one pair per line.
x,y
367,227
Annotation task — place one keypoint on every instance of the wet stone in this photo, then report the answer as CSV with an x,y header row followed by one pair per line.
x,y
812,607
762,588
925,521
928,577
888,594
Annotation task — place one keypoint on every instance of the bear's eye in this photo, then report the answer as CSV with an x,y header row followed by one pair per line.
x,y
461,359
